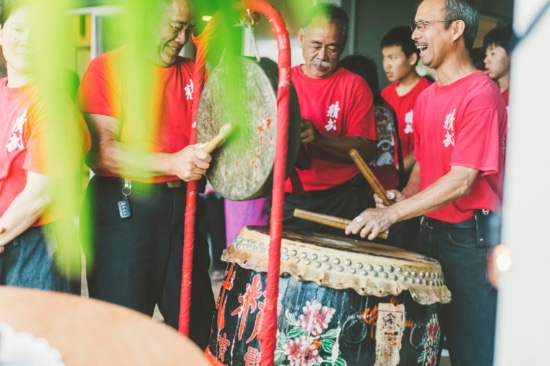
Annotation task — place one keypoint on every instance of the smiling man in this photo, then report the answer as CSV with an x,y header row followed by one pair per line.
x,y
142,159
337,116
35,230
460,132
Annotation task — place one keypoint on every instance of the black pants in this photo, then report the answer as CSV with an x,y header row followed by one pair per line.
x,y
137,262
213,225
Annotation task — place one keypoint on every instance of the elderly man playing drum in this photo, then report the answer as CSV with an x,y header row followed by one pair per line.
x,y
338,115
460,131
137,197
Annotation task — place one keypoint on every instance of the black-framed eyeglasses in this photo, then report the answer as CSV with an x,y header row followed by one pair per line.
x,y
421,25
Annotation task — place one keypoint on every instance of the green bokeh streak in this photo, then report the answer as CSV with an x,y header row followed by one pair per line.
x,y
226,44
63,153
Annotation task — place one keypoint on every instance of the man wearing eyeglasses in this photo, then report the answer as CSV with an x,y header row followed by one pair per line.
x,y
142,159
460,132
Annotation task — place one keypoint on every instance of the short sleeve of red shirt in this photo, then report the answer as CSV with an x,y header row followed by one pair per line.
x,y
475,145
360,117
56,140
99,91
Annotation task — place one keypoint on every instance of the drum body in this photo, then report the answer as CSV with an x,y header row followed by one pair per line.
x,y
341,302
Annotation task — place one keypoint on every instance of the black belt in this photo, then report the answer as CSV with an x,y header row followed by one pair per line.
x,y
443,225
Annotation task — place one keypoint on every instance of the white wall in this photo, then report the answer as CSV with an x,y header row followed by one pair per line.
x,y
523,323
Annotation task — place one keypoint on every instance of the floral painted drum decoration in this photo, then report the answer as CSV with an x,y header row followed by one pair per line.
x,y
341,302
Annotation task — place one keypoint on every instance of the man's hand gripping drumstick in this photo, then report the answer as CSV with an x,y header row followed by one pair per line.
x,y
193,161
332,221
373,222
213,144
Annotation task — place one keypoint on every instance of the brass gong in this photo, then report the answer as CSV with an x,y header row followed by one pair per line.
x,y
243,92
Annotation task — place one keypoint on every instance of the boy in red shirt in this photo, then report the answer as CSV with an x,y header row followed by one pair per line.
x,y
400,57
498,57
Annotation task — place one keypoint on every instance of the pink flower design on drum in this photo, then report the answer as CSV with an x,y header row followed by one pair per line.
x,y
316,317
302,352
432,329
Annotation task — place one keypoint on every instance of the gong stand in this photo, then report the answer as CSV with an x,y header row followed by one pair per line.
x,y
268,333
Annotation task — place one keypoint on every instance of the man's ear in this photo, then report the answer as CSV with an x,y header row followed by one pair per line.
x,y
458,28
301,35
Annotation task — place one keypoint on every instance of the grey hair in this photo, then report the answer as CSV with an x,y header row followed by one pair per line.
x,y
468,12
330,12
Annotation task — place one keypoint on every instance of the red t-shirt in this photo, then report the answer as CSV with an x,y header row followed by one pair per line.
x,y
26,141
462,124
506,96
162,123
340,105
403,107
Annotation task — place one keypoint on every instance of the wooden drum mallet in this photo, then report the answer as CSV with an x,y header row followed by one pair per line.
x,y
370,177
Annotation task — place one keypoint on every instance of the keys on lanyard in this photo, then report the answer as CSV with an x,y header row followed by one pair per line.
x,y
124,208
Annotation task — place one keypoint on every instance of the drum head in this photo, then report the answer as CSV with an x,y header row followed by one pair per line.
x,y
343,263
242,92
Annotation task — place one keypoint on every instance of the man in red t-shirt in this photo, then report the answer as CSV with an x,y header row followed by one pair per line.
x,y
35,224
498,57
460,132
142,160
400,57
337,116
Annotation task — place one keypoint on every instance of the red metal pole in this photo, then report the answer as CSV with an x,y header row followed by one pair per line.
x,y
268,333
201,43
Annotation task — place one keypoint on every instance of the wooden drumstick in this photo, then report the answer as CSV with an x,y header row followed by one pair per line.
x,y
213,144
331,221
369,175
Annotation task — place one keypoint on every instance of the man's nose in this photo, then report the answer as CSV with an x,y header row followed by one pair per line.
x,y
415,34
322,53
24,35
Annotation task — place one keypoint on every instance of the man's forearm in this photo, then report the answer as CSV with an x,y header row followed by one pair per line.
x,y
27,207
445,190
126,161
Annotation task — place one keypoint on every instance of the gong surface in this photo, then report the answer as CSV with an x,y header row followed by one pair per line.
x,y
242,92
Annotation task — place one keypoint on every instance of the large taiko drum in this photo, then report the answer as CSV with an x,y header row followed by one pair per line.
x,y
341,302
